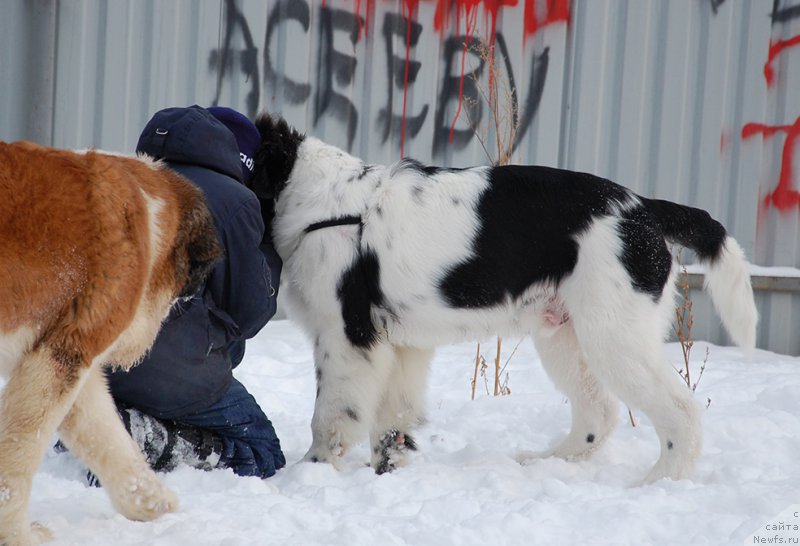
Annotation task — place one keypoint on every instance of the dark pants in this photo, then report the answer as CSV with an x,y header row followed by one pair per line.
x,y
250,445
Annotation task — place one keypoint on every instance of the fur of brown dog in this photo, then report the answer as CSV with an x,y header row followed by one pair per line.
x,y
94,250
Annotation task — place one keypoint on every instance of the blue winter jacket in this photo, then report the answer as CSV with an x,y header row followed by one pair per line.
x,y
189,366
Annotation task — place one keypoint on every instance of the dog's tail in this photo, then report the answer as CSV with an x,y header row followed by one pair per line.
x,y
727,279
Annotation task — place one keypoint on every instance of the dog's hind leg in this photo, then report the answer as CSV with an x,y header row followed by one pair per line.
x,y
631,366
93,431
35,399
594,409
350,382
401,409
624,348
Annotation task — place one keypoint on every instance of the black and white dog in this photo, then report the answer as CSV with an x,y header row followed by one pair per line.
x,y
384,263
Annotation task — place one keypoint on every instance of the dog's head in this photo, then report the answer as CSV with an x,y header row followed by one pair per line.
x,y
275,156
274,161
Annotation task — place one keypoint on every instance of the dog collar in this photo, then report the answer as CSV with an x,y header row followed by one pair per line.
x,y
341,221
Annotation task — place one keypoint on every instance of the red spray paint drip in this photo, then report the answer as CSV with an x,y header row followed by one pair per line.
x,y
784,197
410,9
468,9
775,49
557,12
471,22
363,29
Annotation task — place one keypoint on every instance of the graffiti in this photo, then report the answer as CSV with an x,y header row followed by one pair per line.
x,y
782,11
221,61
456,87
777,47
285,11
557,12
715,4
784,197
468,9
338,36
335,64
401,73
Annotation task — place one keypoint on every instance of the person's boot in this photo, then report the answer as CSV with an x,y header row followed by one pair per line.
x,y
166,444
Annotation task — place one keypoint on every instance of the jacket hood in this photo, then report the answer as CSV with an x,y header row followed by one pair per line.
x,y
191,135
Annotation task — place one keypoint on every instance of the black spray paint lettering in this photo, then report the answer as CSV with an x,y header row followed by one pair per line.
x,y
285,11
536,83
224,59
389,123
336,70
715,4
784,10
336,65
462,88
471,93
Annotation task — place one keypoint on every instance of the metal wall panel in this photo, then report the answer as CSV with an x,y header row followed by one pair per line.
x,y
670,98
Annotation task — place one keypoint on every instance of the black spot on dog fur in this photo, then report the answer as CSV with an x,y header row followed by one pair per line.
x,y
529,219
358,291
590,438
705,237
365,171
409,164
644,252
352,414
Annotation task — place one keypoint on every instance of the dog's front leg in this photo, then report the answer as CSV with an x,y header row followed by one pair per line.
x,y
94,432
402,409
350,382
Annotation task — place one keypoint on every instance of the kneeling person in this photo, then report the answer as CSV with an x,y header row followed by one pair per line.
x,y
182,403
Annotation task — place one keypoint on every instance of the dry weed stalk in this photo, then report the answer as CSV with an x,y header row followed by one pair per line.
x,y
480,366
501,387
684,321
683,330
504,120
504,113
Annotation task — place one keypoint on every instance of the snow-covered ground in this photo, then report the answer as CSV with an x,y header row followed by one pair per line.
x,y
463,487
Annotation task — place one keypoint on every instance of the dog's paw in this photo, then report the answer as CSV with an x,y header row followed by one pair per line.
x,y
332,455
40,533
32,536
530,457
392,451
142,497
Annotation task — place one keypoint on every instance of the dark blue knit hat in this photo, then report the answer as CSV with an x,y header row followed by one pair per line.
x,y
247,136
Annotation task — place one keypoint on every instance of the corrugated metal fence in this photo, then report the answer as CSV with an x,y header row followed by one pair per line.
x,y
696,101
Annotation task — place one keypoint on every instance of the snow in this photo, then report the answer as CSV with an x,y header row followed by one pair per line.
x,y
463,486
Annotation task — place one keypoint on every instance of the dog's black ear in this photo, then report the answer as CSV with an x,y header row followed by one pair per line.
x,y
260,180
275,157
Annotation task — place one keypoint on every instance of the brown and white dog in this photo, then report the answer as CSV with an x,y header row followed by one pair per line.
x,y
94,250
